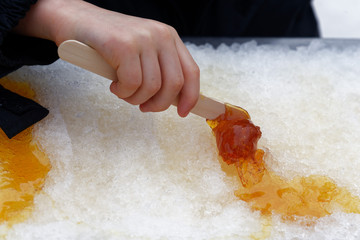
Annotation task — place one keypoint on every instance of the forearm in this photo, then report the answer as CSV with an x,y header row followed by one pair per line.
x,y
50,19
60,20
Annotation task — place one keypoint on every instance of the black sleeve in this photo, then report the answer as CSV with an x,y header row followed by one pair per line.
x,y
17,50
16,112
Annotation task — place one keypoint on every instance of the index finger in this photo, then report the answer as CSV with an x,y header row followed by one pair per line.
x,y
189,94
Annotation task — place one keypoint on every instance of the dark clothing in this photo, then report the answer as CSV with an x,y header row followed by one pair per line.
x,y
210,18
226,18
16,50
18,113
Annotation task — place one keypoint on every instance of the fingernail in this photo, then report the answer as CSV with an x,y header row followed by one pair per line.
x,y
143,108
184,114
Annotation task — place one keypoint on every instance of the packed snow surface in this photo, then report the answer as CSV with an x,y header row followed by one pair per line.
x,y
118,173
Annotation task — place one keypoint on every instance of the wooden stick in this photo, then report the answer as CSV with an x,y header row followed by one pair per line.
x,y
86,57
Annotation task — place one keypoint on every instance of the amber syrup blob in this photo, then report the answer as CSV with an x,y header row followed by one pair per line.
x,y
23,167
305,198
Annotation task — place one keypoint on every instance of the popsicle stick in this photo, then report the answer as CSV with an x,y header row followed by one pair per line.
x,y
86,57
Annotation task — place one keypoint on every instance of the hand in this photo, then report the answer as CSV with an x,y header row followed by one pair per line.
x,y
154,68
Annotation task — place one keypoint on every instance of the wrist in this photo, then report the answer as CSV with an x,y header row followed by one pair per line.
x,y
53,20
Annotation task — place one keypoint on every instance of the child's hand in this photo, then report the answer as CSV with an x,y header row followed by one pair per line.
x,y
153,66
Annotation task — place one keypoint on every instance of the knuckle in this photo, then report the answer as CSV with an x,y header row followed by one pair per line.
x,y
177,83
115,48
133,82
155,86
156,31
171,30
164,31
129,80
144,36
194,72
121,43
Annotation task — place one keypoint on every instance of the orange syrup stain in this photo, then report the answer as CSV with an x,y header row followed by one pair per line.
x,y
23,167
302,199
